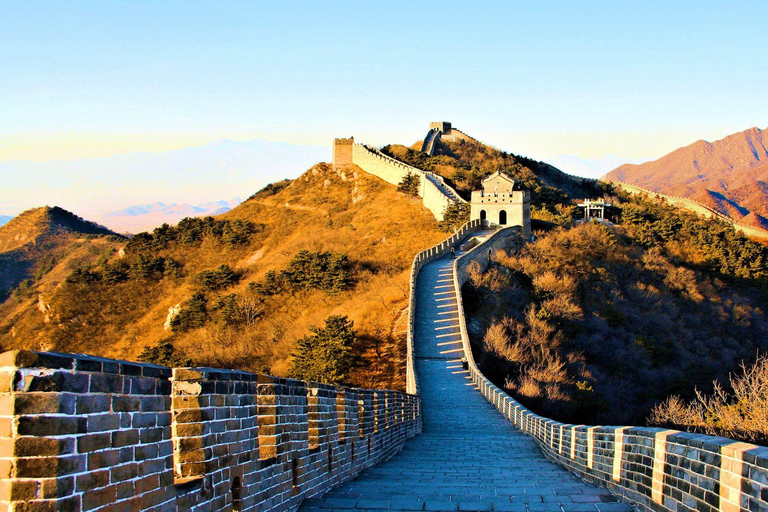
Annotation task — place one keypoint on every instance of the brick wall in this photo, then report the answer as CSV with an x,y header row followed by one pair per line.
x,y
652,468
435,193
86,433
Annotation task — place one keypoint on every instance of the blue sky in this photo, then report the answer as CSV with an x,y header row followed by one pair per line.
x,y
587,80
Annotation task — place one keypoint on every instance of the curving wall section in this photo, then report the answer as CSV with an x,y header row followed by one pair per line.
x,y
653,468
430,141
419,261
435,193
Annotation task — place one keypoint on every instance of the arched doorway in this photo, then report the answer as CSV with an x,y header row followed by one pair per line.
x,y
503,217
482,215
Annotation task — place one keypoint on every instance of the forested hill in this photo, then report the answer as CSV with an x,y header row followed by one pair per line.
x,y
32,242
238,290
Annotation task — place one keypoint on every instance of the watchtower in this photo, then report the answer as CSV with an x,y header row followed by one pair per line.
x,y
502,202
443,126
342,151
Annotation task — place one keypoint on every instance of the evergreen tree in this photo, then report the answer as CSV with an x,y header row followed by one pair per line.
x,y
164,354
325,355
410,185
194,314
455,215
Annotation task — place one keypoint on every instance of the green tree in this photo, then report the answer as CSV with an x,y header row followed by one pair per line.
x,y
164,354
326,355
218,279
193,315
455,215
410,185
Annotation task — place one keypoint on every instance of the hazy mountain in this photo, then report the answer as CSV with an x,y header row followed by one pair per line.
x,y
146,217
729,175
92,187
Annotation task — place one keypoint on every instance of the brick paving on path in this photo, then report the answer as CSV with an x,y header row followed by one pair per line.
x,y
469,456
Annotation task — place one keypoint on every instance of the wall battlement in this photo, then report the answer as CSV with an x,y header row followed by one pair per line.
x,y
651,468
86,433
435,193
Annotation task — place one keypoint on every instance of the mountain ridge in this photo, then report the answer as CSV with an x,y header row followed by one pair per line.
x,y
729,175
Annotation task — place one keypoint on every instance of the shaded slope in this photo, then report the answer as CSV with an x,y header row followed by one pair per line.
x,y
32,241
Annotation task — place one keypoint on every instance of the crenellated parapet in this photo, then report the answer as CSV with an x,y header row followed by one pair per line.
x,y
436,194
651,468
82,433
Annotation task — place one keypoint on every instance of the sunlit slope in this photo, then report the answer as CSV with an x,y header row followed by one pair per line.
x,y
345,211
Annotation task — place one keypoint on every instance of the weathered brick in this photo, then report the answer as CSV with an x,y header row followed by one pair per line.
x,y
103,422
92,480
99,498
90,404
124,472
43,446
93,442
44,467
123,403
37,403
124,438
50,425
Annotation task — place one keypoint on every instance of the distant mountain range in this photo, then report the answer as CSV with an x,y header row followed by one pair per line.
x,y
729,175
94,186
146,217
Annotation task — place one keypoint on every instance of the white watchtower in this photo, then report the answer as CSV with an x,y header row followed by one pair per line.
x,y
502,202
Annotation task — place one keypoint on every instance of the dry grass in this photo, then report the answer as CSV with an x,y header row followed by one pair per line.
x,y
345,211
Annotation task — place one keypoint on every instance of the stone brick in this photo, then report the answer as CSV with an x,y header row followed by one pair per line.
x,y
124,438
44,467
43,447
37,403
99,498
103,422
122,403
93,442
92,480
50,425
90,404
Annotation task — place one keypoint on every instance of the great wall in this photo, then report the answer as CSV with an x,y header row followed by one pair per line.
x,y
85,433
694,206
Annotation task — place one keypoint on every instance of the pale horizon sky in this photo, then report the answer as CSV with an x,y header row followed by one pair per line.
x,y
593,82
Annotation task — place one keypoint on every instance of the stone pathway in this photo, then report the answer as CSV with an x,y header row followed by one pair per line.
x,y
469,457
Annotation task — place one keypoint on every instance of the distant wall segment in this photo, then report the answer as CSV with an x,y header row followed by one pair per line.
x,y
694,206
86,433
652,468
435,193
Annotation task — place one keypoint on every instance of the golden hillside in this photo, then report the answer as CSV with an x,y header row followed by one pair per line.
x,y
115,302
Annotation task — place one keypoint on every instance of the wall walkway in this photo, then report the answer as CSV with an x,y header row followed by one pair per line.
x,y
652,468
469,457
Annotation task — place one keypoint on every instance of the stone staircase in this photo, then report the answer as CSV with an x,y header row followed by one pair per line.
x,y
469,456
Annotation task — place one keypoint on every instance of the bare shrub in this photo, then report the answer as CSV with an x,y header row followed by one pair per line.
x,y
742,414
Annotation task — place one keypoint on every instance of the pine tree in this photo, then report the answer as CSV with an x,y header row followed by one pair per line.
x,y
410,185
325,355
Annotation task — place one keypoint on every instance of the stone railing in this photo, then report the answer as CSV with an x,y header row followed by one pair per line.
x,y
419,261
652,468
694,206
82,433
